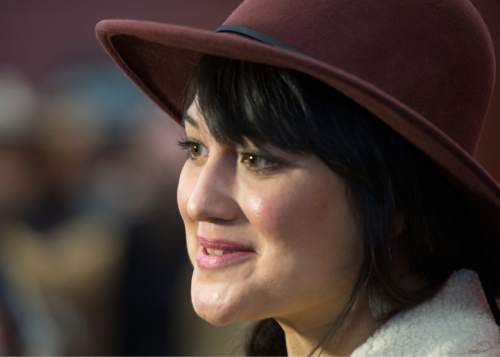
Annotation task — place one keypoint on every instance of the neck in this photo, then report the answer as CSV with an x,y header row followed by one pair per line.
x,y
302,337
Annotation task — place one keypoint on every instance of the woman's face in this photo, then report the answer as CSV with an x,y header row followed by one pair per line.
x,y
269,233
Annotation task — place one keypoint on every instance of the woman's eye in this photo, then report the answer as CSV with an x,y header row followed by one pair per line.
x,y
259,163
193,149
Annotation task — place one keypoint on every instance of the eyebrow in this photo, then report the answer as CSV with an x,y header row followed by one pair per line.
x,y
187,118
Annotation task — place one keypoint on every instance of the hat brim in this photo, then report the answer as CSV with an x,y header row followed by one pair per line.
x,y
160,59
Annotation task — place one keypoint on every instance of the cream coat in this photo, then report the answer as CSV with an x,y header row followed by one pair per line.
x,y
456,322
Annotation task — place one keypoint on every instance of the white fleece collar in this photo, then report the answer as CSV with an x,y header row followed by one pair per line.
x,y
455,322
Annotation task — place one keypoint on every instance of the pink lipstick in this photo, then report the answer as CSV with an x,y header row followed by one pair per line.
x,y
216,254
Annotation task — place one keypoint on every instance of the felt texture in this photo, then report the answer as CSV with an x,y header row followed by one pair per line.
x,y
488,150
455,322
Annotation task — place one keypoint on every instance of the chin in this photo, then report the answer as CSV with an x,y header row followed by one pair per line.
x,y
221,307
223,301
212,310
213,302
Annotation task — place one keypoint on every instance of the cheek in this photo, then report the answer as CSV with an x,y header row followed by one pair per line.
x,y
294,216
308,228
183,192
184,189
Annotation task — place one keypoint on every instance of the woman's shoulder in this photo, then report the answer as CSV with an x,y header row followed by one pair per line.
x,y
456,321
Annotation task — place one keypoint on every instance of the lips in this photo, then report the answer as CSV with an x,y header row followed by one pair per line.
x,y
215,254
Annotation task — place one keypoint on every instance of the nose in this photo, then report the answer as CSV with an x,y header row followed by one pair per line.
x,y
211,196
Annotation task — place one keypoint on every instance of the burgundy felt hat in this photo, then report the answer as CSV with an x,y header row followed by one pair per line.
x,y
424,67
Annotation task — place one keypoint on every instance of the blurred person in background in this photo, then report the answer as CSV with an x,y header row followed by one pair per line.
x,y
83,210
21,313
50,247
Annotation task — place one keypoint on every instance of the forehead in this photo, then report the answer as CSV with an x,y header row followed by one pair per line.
x,y
188,119
194,117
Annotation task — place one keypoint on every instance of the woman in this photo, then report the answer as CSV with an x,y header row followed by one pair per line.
x,y
329,191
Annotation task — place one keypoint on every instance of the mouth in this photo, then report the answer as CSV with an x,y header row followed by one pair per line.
x,y
216,254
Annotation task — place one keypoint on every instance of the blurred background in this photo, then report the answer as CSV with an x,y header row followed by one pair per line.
x,y
92,255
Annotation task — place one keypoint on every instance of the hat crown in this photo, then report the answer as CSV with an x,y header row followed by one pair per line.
x,y
435,57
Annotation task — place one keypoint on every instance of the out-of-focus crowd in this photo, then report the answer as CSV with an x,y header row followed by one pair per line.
x,y
92,252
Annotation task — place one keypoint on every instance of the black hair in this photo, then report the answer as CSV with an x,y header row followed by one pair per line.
x,y
387,177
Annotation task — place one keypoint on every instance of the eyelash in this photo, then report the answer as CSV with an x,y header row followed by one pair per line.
x,y
189,145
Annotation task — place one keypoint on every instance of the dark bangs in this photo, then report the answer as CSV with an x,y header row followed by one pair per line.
x,y
285,108
247,100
